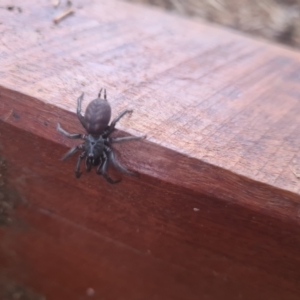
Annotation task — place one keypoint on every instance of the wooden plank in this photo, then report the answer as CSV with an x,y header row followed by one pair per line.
x,y
220,98
141,239
215,211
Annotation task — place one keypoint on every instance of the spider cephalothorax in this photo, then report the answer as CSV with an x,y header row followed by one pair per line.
x,y
96,148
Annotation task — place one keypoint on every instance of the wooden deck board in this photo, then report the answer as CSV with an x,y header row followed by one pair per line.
x,y
216,206
209,94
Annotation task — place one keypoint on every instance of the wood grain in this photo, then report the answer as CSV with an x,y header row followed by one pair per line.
x,y
215,210
141,239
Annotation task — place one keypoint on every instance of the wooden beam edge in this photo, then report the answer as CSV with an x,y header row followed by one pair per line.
x,y
39,118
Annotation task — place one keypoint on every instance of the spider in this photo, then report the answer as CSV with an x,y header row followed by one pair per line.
x,y
96,148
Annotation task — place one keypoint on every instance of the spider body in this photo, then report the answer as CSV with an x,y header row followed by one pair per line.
x,y
96,149
96,117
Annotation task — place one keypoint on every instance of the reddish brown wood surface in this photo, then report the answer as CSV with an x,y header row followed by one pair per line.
x,y
215,211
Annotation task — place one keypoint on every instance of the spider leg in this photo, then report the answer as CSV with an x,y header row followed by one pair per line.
x,y
88,165
126,139
69,135
77,168
116,164
72,151
102,169
116,120
79,115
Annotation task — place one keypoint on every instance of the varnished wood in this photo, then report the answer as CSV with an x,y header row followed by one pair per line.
x,y
215,210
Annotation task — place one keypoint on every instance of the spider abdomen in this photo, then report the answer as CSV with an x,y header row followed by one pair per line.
x,y
97,116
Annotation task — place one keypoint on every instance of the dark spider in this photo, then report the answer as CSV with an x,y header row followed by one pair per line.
x,y
97,146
